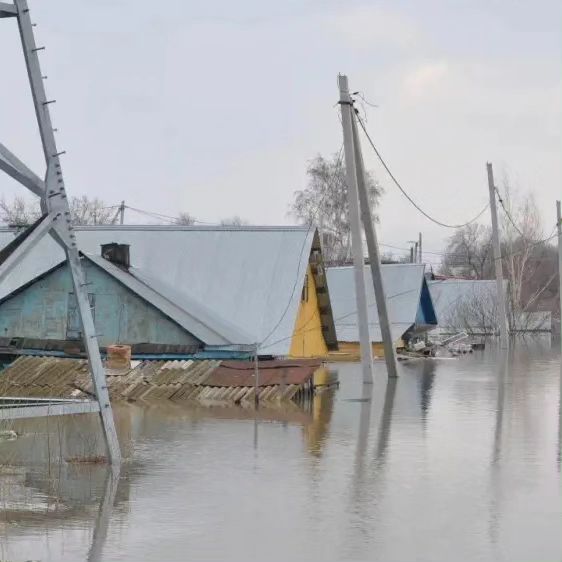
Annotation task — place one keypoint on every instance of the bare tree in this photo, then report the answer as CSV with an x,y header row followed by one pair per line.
x,y
90,211
323,203
23,212
185,219
234,221
19,211
529,261
469,252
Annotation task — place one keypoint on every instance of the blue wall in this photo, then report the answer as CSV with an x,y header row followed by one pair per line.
x,y
40,311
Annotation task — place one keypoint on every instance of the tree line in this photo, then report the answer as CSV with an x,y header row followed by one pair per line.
x,y
20,212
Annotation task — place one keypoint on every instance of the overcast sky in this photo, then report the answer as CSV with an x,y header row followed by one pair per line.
x,y
215,107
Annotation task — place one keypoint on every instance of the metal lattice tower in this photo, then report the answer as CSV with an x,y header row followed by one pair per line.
x,y
55,222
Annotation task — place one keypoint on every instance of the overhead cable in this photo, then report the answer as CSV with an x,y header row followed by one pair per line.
x,y
404,192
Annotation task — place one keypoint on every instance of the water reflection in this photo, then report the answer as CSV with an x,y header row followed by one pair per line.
x,y
427,379
453,457
105,510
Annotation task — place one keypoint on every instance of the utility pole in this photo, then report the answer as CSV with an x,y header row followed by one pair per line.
x,y
57,223
356,240
122,212
374,258
420,246
412,254
502,315
559,228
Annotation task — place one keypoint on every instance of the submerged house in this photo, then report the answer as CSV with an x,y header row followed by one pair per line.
x,y
468,305
471,305
176,291
409,301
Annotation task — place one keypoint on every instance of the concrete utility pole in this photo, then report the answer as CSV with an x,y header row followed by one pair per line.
x,y
122,212
502,315
356,240
374,258
559,228
420,246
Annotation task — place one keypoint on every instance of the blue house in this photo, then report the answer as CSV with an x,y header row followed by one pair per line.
x,y
208,291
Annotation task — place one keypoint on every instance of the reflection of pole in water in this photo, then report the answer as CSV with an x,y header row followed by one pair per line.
x,y
495,492
386,419
503,365
426,388
364,426
104,514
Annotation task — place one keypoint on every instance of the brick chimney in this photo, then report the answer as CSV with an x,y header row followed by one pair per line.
x,y
118,254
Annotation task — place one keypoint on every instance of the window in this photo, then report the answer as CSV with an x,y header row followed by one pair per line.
x,y
73,324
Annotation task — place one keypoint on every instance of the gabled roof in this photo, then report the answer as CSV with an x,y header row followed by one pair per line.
x,y
194,317
403,286
245,282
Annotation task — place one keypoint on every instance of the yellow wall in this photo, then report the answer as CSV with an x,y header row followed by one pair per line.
x,y
351,351
308,339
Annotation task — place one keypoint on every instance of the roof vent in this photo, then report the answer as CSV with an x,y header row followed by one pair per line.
x,y
117,254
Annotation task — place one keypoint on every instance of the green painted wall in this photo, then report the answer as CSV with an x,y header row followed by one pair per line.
x,y
41,311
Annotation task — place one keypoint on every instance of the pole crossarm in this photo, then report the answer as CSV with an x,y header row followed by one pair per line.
x,y
12,254
16,169
8,10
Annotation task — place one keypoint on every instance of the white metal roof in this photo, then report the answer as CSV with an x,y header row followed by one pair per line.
x,y
465,304
249,277
402,284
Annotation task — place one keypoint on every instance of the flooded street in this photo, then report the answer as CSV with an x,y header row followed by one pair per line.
x,y
456,460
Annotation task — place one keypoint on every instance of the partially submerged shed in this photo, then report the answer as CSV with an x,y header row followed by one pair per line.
x,y
409,302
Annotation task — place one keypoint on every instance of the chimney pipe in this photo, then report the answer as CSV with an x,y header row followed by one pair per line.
x,y
117,254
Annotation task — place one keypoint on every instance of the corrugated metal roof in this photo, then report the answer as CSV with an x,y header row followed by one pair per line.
x,y
403,285
249,276
201,381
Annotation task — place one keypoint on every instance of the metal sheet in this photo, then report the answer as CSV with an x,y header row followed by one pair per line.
x,y
51,409
403,284
250,277
201,381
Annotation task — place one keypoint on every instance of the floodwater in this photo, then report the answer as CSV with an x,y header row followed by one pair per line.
x,y
456,460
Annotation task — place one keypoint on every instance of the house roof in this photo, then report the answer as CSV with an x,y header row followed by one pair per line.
x,y
236,282
463,304
403,285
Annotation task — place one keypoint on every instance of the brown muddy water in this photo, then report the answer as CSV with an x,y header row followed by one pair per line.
x,y
457,460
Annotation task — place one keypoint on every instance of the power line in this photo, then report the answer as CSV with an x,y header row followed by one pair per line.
x,y
403,191
507,213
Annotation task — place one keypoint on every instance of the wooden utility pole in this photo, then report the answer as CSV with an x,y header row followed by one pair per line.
x,y
502,315
374,257
356,239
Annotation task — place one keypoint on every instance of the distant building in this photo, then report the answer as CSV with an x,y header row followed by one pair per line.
x,y
211,291
471,305
410,306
